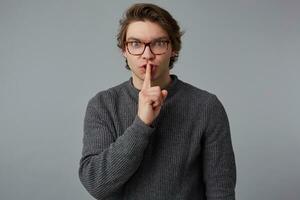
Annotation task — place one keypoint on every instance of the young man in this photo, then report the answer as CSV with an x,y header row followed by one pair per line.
x,y
155,136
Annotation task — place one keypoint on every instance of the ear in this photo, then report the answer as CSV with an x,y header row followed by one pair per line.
x,y
124,53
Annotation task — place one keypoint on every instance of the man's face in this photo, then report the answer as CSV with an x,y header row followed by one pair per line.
x,y
146,32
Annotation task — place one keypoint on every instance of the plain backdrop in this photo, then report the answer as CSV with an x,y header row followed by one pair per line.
x,y
56,55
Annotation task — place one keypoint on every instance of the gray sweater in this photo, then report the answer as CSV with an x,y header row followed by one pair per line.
x,y
185,154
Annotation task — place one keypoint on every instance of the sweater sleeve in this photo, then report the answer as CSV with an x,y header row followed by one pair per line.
x,y
108,163
219,168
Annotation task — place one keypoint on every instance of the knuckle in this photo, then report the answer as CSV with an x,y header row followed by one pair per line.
x,y
142,93
156,88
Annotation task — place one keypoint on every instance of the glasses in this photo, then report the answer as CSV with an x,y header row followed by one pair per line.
x,y
157,47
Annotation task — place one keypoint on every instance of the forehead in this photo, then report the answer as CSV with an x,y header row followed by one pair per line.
x,y
145,30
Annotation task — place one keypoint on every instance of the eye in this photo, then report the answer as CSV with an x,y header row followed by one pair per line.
x,y
160,43
135,44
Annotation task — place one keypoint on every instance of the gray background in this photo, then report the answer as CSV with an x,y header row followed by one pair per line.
x,y
55,55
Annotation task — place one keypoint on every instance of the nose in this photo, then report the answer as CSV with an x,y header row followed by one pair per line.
x,y
147,53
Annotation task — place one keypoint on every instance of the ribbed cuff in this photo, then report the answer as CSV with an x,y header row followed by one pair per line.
x,y
141,126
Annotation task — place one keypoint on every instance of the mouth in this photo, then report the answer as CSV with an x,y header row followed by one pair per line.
x,y
153,67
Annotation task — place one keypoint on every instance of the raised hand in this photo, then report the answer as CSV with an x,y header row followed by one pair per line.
x,y
150,99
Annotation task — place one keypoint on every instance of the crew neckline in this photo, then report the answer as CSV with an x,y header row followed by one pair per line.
x,y
171,88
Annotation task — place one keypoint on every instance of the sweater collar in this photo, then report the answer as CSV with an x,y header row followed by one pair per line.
x,y
171,88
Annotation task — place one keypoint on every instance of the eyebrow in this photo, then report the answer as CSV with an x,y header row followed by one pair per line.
x,y
137,39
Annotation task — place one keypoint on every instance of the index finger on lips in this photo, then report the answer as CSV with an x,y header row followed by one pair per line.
x,y
147,79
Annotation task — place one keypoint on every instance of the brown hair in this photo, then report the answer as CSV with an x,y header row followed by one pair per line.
x,y
156,14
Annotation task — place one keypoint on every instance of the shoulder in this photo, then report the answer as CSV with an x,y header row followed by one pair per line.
x,y
200,97
107,96
212,108
195,93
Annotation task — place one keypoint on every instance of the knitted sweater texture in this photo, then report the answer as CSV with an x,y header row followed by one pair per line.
x,y
186,154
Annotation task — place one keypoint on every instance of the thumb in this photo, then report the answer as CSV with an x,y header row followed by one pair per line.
x,y
165,94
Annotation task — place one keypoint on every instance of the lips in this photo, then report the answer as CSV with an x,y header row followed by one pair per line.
x,y
153,67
